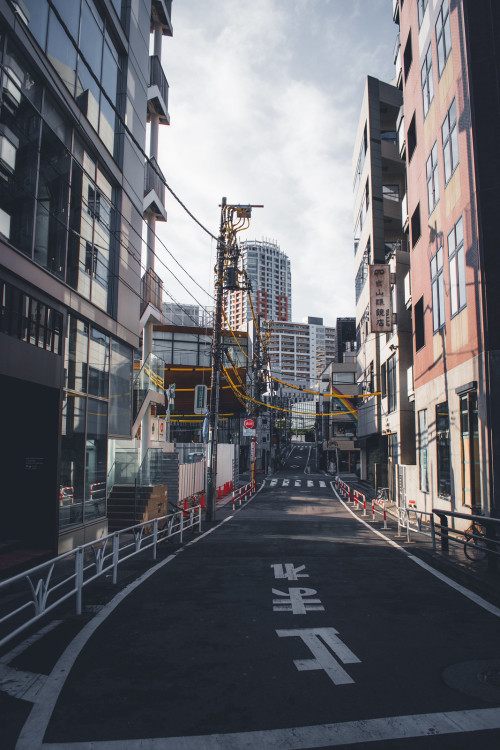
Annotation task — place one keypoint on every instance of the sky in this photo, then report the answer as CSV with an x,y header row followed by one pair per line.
x,y
264,103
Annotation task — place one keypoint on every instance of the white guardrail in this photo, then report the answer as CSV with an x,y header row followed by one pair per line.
x,y
55,581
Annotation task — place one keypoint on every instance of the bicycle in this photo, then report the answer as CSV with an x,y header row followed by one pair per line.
x,y
475,546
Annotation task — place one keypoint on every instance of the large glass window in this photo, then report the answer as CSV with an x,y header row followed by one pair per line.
x,y
449,133
98,363
437,285
392,393
469,444
427,80
76,355
456,258
433,178
423,447
72,460
120,390
96,459
443,35
443,449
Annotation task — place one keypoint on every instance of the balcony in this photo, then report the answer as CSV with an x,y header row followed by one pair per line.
x,y
158,91
405,219
161,16
154,191
407,290
410,384
152,290
400,126
395,11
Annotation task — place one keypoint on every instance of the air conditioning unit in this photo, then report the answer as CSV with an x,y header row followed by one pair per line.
x,y
8,150
11,89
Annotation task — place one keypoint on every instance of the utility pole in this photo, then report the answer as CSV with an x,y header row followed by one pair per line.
x,y
216,368
226,277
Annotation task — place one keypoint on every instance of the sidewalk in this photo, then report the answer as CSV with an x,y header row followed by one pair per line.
x,y
473,575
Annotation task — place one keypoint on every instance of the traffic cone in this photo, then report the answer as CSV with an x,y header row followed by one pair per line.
x,y
219,494
185,514
202,500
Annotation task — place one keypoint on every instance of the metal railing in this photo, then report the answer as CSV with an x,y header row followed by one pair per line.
x,y
489,542
158,78
36,592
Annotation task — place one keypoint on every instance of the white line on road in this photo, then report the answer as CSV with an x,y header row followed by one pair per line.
x,y
286,482
298,482
461,589
310,483
32,733
321,483
321,735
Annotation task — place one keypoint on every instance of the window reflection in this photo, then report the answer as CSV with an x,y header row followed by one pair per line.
x,y
71,492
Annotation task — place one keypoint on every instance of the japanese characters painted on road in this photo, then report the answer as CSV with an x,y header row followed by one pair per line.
x,y
249,428
297,600
380,298
317,640
288,570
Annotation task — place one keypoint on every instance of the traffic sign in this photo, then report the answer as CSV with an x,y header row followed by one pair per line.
x,y
249,424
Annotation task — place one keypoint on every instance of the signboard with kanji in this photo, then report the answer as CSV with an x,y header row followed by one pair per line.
x,y
380,298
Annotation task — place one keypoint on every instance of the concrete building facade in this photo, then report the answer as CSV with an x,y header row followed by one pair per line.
x,y
385,427
448,67
299,352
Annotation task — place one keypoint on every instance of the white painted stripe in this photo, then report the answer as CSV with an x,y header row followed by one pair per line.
x,y
298,482
274,482
310,483
36,724
449,582
321,483
302,738
286,482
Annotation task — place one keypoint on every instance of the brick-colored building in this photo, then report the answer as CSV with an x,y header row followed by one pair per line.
x,y
448,69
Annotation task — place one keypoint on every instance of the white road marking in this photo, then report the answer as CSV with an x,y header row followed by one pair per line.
x,y
297,600
298,483
321,483
274,482
323,658
310,483
288,570
461,589
307,738
286,482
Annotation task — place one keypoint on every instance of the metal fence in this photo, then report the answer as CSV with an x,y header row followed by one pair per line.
x,y
30,595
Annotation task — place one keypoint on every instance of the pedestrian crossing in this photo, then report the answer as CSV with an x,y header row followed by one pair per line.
x,y
295,483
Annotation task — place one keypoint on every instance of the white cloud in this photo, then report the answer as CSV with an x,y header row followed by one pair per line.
x,y
264,99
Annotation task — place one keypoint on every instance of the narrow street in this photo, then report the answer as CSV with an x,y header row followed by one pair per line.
x,y
291,624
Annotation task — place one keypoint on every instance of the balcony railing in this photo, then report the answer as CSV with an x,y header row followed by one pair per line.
x,y
152,290
154,190
158,90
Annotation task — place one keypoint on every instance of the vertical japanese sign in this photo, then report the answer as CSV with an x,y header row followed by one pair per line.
x,y
380,298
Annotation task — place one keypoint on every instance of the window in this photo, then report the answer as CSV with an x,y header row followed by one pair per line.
x,y
421,7
469,444
407,56
437,285
433,178
383,380
391,192
449,132
418,322
411,138
415,226
29,320
443,449
423,446
392,393
443,36
427,81
456,259
362,273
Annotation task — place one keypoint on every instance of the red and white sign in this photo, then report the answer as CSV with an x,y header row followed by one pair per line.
x,y
249,424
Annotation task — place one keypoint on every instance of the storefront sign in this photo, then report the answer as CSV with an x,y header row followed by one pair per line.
x,y
380,298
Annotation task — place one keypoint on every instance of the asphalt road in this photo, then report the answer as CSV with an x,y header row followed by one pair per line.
x,y
290,624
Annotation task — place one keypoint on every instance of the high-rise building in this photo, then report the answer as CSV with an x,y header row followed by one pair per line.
x,y
77,82
447,66
267,269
